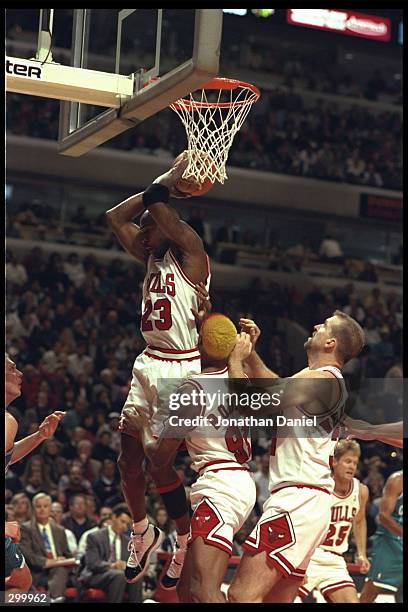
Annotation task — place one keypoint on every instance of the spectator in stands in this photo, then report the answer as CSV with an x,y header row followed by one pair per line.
x,y
105,559
107,487
112,426
91,468
72,483
45,549
104,519
57,512
55,464
91,504
15,271
330,250
74,269
354,309
22,507
35,477
76,519
102,449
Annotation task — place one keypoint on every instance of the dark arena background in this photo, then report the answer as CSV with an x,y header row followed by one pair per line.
x,y
308,221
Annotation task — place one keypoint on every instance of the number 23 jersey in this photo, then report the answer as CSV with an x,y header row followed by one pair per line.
x,y
168,296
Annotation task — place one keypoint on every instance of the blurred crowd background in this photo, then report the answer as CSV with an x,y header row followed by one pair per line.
x,y
330,111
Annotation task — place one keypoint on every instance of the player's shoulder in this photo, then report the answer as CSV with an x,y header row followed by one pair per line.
x,y
395,476
363,489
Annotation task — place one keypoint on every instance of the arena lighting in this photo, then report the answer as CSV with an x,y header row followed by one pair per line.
x,y
342,21
240,12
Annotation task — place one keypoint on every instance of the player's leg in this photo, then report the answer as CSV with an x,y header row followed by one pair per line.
x,y
284,591
174,499
209,565
344,595
130,464
145,538
183,584
253,579
369,592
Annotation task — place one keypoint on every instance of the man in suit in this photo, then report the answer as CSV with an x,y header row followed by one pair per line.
x,y
105,559
45,548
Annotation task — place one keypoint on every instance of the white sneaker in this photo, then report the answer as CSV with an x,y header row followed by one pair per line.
x,y
170,579
141,548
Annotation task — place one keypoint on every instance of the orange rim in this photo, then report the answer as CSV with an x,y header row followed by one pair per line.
x,y
219,83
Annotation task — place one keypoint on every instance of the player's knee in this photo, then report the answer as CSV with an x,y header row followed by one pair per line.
x,y
202,592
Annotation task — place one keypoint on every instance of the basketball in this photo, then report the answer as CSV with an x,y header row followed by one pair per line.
x,y
191,185
219,335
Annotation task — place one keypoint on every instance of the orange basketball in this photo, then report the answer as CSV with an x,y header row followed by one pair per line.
x,y
191,185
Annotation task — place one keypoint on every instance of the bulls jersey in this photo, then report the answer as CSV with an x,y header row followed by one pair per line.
x,y
218,446
302,455
168,296
343,512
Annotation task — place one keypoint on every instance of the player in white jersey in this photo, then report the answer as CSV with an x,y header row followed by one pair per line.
x,y
224,494
297,514
175,262
327,570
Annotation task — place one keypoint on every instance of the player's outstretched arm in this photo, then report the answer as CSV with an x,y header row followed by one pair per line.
x,y
46,430
389,433
120,220
392,490
360,530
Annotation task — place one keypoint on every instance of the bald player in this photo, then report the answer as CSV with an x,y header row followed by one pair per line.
x,y
175,262
224,494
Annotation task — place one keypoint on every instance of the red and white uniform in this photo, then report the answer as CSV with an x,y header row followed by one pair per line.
x,y
224,494
297,514
168,327
327,570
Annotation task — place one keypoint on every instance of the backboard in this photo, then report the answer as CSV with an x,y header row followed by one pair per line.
x,y
125,66
143,44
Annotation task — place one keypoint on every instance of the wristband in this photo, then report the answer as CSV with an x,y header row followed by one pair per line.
x,y
155,193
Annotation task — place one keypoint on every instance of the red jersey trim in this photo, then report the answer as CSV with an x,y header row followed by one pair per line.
x,y
301,486
182,273
223,371
225,469
169,358
348,494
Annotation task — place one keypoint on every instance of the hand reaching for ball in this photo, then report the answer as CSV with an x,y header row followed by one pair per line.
x,y
190,186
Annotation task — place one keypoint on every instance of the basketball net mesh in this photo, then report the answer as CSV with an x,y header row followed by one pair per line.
x,y
211,123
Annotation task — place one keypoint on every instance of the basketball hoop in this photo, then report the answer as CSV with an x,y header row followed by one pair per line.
x,y
211,117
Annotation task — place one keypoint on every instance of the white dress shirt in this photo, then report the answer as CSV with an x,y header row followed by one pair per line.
x,y
118,545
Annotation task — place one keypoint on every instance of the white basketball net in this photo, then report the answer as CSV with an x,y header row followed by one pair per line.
x,y
211,118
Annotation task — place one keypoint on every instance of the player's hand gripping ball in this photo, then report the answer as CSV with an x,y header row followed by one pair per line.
x,y
192,186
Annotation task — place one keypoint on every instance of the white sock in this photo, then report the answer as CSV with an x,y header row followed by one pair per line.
x,y
141,526
182,540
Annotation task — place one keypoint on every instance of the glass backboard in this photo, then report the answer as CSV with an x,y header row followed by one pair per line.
x,y
158,55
